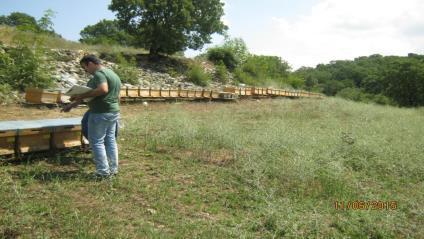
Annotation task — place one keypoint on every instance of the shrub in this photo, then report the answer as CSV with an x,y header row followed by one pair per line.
x,y
198,76
126,70
22,67
6,94
222,54
221,73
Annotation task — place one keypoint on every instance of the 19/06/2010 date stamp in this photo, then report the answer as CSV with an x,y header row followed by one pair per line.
x,y
365,205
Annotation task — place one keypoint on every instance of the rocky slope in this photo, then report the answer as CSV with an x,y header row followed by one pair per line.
x,y
67,72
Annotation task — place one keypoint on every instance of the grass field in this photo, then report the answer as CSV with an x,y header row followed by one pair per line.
x,y
267,169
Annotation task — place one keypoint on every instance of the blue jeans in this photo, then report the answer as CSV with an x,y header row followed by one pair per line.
x,y
84,125
101,135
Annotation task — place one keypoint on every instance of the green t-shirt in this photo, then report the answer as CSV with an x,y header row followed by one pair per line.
x,y
106,103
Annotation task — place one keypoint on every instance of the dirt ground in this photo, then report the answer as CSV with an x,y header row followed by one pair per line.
x,y
25,112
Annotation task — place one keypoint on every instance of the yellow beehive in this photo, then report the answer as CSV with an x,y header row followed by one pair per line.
x,y
66,136
40,96
7,142
32,140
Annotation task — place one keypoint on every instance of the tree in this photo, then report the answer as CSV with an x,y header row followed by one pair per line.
x,y
45,23
169,26
106,32
20,20
238,47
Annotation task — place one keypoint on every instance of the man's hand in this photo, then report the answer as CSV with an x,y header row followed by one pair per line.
x,y
67,108
76,98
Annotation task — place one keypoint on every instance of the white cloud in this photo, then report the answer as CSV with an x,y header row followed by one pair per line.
x,y
345,29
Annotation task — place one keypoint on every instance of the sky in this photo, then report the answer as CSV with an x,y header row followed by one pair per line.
x,y
301,32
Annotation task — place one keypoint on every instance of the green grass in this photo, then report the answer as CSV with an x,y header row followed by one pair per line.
x,y
267,169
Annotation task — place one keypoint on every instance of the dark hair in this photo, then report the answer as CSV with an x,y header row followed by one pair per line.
x,y
90,58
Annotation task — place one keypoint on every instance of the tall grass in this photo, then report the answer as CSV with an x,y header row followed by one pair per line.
x,y
291,160
266,169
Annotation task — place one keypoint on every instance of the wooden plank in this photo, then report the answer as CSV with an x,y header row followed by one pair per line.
x,y
7,142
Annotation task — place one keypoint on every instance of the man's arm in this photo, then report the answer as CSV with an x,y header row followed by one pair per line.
x,y
102,89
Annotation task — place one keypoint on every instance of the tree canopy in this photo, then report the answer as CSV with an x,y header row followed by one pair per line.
x,y
106,32
169,26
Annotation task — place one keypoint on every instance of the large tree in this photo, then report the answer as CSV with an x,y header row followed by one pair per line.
x,y
168,26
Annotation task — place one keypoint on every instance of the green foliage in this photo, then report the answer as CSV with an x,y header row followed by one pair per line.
x,y
20,20
221,73
126,70
359,95
390,79
22,67
25,22
266,71
106,32
169,26
224,55
198,76
45,23
6,94
238,48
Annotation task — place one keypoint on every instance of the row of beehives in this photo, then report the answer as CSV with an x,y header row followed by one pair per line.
x,y
39,96
17,142
255,91
149,93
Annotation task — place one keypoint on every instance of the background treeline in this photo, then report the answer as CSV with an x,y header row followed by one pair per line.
x,y
382,79
25,22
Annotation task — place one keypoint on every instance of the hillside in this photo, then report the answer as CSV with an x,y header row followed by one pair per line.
x,y
266,169
58,60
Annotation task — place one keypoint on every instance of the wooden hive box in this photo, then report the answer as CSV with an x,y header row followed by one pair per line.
x,y
7,142
247,91
230,89
184,93
174,93
123,92
66,136
215,95
33,140
198,94
40,96
207,94
155,93
165,93
144,92
133,92
191,93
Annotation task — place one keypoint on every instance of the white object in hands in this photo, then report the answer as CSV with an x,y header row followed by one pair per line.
x,y
77,90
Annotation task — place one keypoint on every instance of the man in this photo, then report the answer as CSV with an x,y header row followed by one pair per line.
x,y
103,116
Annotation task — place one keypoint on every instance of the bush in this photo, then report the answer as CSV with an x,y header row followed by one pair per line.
x,y
222,54
6,94
126,70
22,67
198,76
221,73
